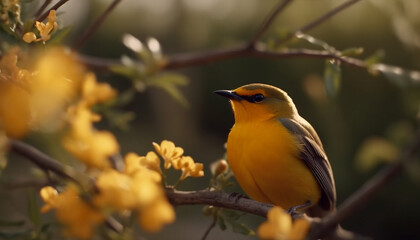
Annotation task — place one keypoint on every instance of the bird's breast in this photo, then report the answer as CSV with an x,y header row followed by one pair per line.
x,y
264,156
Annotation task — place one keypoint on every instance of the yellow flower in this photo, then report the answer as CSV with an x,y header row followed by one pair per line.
x,y
15,113
94,92
135,164
79,217
151,161
93,149
169,152
188,167
45,29
279,226
49,195
115,191
53,86
156,215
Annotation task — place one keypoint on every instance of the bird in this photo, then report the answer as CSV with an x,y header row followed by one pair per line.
x,y
276,155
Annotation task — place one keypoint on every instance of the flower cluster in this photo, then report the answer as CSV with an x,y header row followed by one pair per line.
x,y
137,188
36,98
10,13
173,156
45,30
89,145
280,226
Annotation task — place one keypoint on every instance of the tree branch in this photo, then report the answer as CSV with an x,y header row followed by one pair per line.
x,y
92,28
218,199
322,19
41,159
367,191
42,8
252,48
55,7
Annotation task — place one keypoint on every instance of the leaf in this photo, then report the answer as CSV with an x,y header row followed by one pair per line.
x,y
170,83
33,210
127,71
60,35
397,75
332,76
373,151
375,57
221,223
355,51
241,228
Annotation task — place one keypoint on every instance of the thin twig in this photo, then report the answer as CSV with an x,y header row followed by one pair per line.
x,y
268,21
42,8
55,7
321,19
212,225
98,22
367,191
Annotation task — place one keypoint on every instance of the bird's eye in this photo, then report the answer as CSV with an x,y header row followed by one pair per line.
x,y
258,97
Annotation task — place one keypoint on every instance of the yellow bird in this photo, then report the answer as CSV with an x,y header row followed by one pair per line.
x,y
275,154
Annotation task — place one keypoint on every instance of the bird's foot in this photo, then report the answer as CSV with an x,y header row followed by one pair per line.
x,y
294,211
237,196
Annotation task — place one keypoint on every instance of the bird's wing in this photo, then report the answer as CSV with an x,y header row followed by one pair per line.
x,y
315,158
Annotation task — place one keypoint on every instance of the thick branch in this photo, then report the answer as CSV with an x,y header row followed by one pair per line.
x,y
40,159
367,191
218,199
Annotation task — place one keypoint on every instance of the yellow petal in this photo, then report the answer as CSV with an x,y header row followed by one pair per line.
x,y
29,37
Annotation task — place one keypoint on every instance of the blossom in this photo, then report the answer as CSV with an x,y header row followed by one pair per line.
x,y
115,190
94,92
45,29
49,195
188,167
169,152
156,215
78,216
151,161
89,145
37,98
279,226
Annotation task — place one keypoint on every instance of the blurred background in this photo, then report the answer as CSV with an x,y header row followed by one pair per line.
x,y
367,110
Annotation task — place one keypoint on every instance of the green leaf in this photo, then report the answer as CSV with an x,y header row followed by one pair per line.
x,y
375,57
399,76
355,51
221,223
33,209
60,35
241,228
170,83
332,76
127,71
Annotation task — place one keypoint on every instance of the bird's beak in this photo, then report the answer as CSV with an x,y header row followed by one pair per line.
x,y
229,94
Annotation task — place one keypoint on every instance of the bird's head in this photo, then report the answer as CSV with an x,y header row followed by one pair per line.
x,y
258,102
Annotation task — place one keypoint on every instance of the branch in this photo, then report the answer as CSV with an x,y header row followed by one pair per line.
x,y
42,8
367,191
252,48
218,199
41,159
98,22
55,7
268,21
322,19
